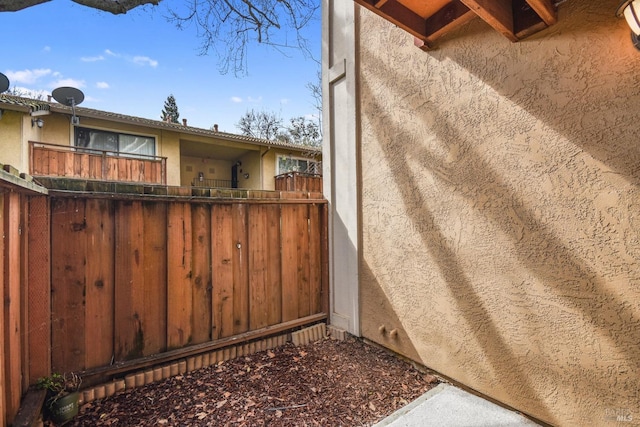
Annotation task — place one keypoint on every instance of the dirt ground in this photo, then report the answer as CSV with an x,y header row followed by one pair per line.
x,y
327,383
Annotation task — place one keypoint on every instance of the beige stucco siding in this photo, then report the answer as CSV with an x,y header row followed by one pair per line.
x,y
10,133
501,210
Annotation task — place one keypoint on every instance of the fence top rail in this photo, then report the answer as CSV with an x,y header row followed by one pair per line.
x,y
95,151
69,187
304,174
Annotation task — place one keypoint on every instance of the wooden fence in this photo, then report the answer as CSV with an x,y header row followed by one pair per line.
x,y
298,181
104,282
72,162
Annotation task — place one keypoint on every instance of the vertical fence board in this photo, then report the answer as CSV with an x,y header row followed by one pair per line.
x,y
68,247
95,167
100,291
201,273
289,262
110,168
3,355
222,250
129,285
11,299
155,277
240,270
40,164
179,292
68,162
24,291
39,296
315,259
303,259
53,163
258,266
274,273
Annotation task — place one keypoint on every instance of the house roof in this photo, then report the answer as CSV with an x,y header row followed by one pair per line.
x,y
428,20
33,105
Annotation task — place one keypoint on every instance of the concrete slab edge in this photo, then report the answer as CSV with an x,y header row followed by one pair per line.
x,y
414,404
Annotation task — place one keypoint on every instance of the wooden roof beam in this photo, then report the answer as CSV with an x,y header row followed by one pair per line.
x,y
497,13
545,10
398,14
448,18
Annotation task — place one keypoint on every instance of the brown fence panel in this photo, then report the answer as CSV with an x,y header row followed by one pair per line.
x,y
201,298
5,393
289,261
12,342
39,288
315,258
240,269
222,251
259,255
68,247
100,282
130,280
179,290
155,277
134,278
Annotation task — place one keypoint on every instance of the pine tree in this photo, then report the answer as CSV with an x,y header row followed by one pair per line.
x,y
170,112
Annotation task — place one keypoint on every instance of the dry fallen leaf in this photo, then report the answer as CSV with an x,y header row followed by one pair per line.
x,y
220,404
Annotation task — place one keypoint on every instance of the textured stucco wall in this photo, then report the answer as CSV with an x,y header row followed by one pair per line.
x,y
501,210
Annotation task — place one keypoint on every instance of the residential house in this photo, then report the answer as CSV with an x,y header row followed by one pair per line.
x,y
39,138
484,196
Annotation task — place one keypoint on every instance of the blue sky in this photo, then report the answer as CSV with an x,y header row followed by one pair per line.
x,y
130,63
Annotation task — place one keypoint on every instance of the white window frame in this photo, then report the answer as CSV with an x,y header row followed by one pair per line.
x,y
286,157
119,133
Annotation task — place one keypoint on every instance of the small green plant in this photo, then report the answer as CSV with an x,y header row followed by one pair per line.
x,y
59,385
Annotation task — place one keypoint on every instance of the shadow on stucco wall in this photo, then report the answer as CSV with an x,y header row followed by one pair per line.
x,y
571,88
571,286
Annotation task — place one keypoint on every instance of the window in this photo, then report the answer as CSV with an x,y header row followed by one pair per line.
x,y
112,141
297,164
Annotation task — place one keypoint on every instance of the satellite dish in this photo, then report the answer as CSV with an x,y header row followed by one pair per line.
x,y
69,96
4,83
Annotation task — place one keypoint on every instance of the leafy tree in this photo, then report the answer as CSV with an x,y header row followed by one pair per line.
x,y
170,112
260,124
228,27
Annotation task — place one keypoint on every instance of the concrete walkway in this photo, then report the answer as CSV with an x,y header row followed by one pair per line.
x,y
449,406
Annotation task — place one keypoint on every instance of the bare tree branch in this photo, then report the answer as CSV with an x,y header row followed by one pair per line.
x,y
229,27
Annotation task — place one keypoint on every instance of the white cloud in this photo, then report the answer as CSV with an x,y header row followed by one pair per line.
x,y
284,101
145,60
102,85
27,76
110,53
257,100
68,82
46,49
92,58
236,99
